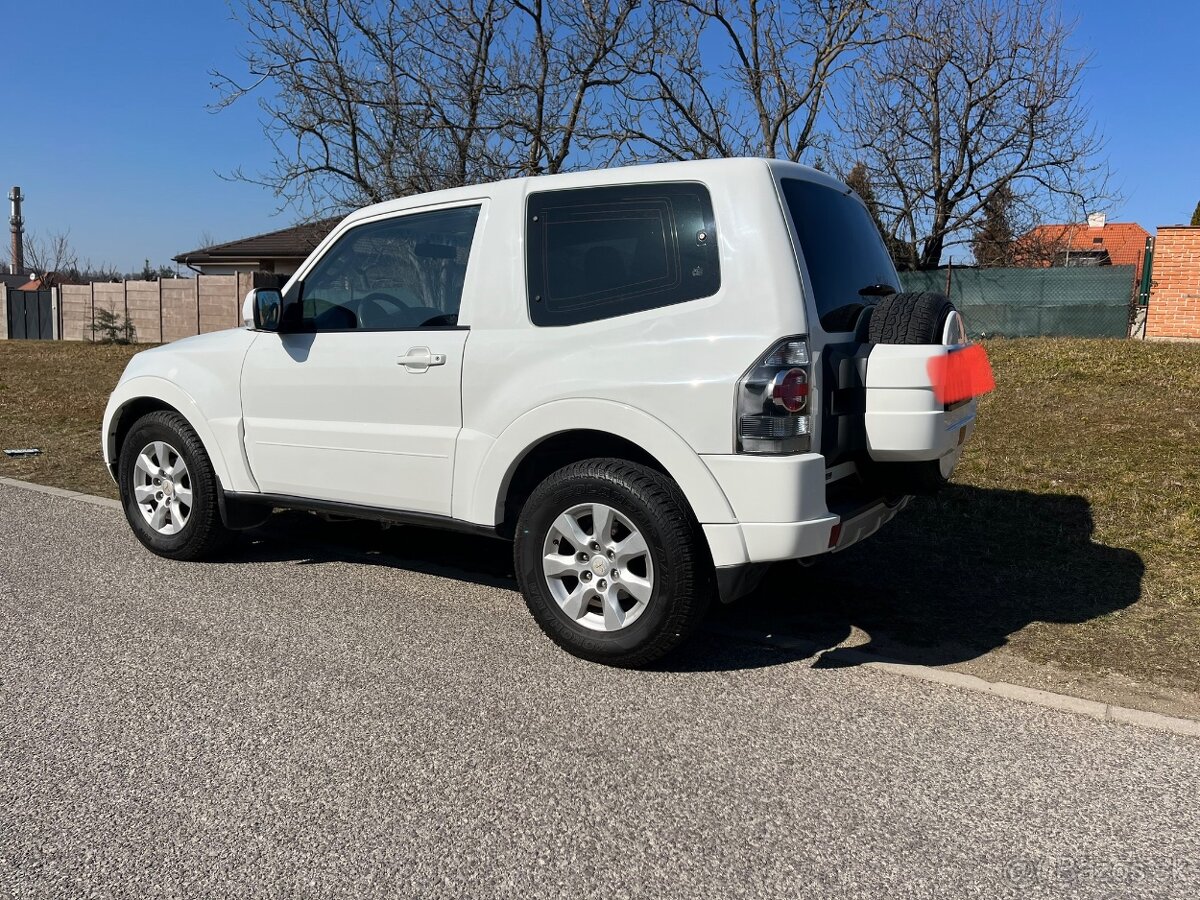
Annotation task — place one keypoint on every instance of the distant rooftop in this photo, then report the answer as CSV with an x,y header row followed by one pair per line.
x,y
293,243
13,282
1124,242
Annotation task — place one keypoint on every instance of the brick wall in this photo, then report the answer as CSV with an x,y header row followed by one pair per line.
x,y
1174,310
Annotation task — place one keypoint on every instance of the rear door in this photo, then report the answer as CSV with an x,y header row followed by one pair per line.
x,y
875,398
359,401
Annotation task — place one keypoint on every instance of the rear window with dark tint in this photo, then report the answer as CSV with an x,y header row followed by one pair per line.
x,y
842,248
595,253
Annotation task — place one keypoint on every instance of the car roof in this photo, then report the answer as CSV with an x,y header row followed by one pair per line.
x,y
686,170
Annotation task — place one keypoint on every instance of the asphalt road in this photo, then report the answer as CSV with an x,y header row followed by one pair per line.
x,y
295,722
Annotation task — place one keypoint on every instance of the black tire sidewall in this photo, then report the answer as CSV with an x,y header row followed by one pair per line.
x,y
669,560
172,429
909,318
940,307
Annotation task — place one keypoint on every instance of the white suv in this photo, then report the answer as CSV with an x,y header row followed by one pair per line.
x,y
655,380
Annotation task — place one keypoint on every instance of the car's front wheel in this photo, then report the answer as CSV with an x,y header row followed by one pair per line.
x,y
612,563
169,489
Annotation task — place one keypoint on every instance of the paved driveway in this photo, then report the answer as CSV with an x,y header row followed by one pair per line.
x,y
292,723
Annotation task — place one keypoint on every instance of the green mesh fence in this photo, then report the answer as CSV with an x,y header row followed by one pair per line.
x,y
1059,302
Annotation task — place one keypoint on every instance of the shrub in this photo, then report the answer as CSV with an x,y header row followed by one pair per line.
x,y
109,328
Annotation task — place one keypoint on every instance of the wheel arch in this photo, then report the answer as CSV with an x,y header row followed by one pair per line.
x,y
135,398
557,434
122,421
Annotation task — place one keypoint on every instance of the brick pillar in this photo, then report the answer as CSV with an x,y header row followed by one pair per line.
x,y
1174,311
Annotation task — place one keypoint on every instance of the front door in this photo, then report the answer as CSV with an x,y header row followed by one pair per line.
x,y
358,401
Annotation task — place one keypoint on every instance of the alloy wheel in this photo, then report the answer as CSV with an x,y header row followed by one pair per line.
x,y
598,567
162,487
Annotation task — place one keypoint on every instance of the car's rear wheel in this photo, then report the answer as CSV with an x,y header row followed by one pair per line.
x,y
612,563
169,489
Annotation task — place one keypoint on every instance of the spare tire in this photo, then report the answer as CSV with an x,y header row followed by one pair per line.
x,y
910,318
922,317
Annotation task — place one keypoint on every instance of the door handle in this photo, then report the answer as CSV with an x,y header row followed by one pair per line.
x,y
418,359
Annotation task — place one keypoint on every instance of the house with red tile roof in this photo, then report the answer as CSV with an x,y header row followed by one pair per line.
x,y
1096,242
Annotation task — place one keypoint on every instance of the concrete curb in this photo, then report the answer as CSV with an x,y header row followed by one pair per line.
x,y
1105,712
62,492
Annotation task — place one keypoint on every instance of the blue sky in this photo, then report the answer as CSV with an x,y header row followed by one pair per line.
x,y
110,136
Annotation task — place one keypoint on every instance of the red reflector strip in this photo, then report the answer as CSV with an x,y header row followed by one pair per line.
x,y
961,374
834,534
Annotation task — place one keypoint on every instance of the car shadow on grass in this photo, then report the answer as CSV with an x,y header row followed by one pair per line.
x,y
949,579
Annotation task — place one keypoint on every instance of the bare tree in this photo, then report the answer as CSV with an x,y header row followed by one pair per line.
x,y
743,78
206,239
943,101
55,260
53,257
578,58
89,271
858,179
966,98
368,100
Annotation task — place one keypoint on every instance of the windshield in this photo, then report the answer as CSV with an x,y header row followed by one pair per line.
x,y
847,261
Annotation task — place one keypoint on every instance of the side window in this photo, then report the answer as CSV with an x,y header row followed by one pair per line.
x,y
395,274
595,253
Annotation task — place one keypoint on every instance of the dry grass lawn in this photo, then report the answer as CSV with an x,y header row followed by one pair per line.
x,y
52,396
1070,535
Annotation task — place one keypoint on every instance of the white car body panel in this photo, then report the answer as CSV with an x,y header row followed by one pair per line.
x,y
199,377
504,453
334,416
796,492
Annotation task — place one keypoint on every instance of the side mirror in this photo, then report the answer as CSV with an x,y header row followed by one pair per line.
x,y
263,309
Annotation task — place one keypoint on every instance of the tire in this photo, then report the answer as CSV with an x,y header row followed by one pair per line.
x,y
199,532
908,318
912,318
675,564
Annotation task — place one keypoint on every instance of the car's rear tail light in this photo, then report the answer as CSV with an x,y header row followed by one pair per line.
x,y
772,404
789,390
773,428
792,352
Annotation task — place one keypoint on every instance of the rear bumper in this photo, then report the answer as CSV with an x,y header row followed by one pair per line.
x,y
746,543
742,552
781,510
